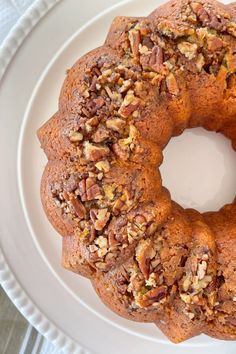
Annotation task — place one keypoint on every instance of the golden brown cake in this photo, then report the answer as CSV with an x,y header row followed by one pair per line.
x,y
149,259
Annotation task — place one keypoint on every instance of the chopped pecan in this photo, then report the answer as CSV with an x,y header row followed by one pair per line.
x,y
93,84
95,105
75,137
208,18
111,239
144,254
103,166
78,208
186,298
126,85
172,84
188,49
82,190
86,112
101,242
109,191
156,58
120,151
100,135
187,282
199,10
89,190
134,38
153,296
114,96
99,218
144,50
200,62
231,320
72,183
117,207
201,271
96,71
231,29
121,283
95,153
214,43
129,105
169,29
93,248
115,124
92,189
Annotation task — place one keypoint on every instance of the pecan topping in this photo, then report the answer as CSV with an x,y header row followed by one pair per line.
x,y
71,184
95,105
172,85
231,320
134,38
156,58
214,43
144,253
116,124
100,135
117,207
199,10
95,153
89,190
153,296
200,62
120,151
121,283
208,18
75,137
189,50
129,105
231,29
103,166
78,208
99,218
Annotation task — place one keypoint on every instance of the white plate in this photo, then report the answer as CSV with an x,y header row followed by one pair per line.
x,y
60,304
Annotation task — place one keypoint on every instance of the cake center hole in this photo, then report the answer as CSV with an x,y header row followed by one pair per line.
x,y
199,170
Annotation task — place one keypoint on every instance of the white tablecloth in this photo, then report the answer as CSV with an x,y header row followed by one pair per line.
x,y
10,12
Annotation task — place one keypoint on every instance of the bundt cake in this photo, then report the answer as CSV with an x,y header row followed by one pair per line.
x,y
148,258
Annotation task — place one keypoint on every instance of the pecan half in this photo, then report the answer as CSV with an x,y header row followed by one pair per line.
x,y
199,10
144,254
78,208
156,58
89,190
